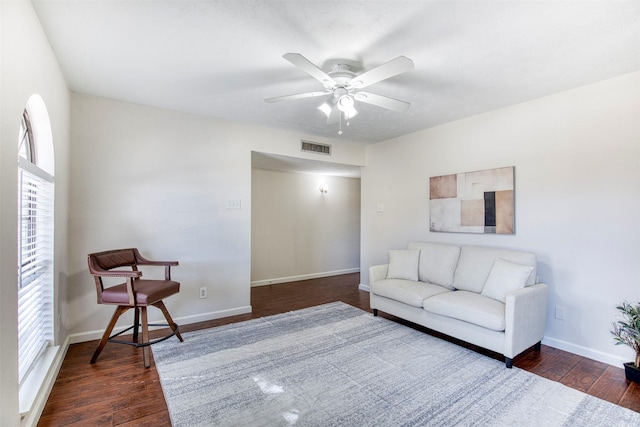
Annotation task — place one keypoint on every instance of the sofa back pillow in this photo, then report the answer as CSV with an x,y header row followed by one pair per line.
x,y
403,264
504,278
437,262
476,262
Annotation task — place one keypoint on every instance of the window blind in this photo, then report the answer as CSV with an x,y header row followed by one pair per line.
x,y
35,264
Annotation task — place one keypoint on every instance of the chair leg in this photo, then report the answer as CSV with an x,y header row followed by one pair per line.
x,y
146,350
136,323
170,322
107,332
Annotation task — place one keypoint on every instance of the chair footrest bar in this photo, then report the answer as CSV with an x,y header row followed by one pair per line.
x,y
143,344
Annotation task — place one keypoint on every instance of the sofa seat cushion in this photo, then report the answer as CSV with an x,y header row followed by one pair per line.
x,y
469,307
406,291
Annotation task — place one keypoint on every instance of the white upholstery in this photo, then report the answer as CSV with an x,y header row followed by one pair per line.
x,y
406,291
437,262
403,264
470,307
475,263
504,278
525,314
508,318
378,272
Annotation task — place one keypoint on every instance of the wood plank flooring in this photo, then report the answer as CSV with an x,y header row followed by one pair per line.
x,y
118,391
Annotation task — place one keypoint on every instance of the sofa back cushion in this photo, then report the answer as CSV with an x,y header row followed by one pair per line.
x,y
437,262
475,264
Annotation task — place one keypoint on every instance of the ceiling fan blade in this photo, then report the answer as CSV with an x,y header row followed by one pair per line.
x,y
388,69
296,96
310,68
382,101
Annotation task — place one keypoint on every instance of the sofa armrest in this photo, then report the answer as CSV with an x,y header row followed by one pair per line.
x,y
526,316
378,272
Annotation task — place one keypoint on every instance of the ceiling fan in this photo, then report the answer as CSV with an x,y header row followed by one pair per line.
x,y
344,86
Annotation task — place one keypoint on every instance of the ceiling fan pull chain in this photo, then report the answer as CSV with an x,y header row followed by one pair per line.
x,y
340,129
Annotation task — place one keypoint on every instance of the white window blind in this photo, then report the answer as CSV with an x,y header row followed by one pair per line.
x,y
35,264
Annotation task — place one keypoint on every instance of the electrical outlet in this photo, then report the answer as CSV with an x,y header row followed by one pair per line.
x,y
559,312
203,292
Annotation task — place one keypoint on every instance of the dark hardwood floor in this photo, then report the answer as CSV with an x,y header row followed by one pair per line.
x,y
117,390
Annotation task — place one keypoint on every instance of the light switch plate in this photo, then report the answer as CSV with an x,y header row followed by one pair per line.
x,y
234,204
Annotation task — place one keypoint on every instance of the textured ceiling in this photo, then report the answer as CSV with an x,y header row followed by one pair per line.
x,y
223,58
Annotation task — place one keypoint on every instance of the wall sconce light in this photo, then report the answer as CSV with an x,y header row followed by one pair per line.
x,y
324,188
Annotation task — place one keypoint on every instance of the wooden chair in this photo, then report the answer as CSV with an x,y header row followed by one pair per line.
x,y
135,293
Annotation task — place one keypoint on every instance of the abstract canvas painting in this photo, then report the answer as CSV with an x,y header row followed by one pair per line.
x,y
473,202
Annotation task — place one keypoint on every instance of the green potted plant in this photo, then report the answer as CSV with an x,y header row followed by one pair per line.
x,y
627,332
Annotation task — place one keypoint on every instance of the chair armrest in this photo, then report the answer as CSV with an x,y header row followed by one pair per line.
x,y
140,260
526,317
116,273
378,272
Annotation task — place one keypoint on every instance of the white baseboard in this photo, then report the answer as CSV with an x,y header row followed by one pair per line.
x,y
212,315
303,277
184,320
364,287
33,396
589,353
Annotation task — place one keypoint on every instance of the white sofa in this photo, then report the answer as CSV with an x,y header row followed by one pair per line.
x,y
482,295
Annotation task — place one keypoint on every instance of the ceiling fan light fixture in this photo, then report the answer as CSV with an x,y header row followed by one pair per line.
x,y
345,103
326,109
348,115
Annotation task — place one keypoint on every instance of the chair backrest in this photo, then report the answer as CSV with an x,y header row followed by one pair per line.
x,y
108,260
101,262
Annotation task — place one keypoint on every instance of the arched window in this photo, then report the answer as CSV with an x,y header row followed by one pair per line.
x,y
35,235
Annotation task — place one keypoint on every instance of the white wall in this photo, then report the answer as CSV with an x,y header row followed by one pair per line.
x,y
160,181
577,164
297,232
27,66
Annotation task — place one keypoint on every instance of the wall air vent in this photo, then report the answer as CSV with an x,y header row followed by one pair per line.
x,y
314,147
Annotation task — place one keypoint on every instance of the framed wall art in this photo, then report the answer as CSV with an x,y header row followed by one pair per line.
x,y
473,202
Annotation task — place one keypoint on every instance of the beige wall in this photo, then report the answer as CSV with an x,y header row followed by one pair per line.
x,y
160,181
297,232
577,176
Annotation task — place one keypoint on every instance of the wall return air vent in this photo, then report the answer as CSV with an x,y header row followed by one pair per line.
x,y
314,147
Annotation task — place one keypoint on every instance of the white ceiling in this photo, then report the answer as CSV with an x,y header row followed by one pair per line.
x,y
222,58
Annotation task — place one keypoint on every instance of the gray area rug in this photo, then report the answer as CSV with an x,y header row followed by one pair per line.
x,y
336,365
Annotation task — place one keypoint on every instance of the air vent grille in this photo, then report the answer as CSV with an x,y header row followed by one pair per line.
x,y
314,147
